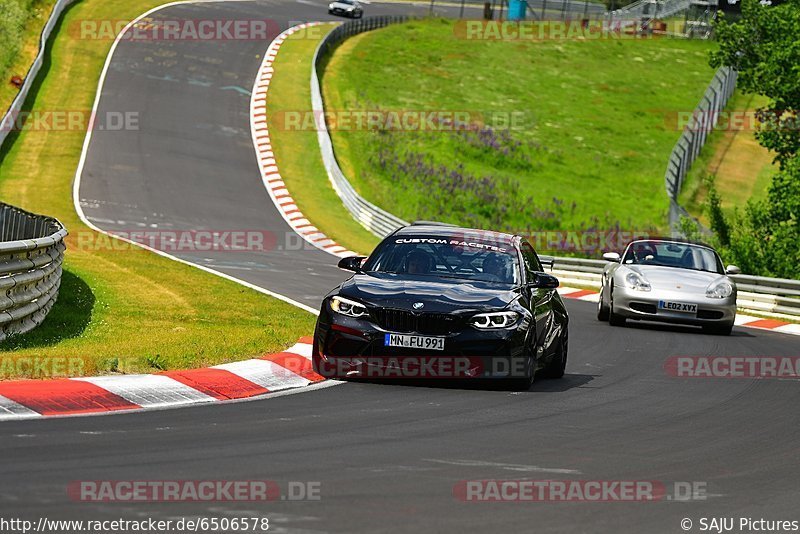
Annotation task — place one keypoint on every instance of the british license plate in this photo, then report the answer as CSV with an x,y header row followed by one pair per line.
x,y
681,307
414,342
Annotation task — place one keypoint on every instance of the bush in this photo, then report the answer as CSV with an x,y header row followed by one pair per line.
x,y
764,238
763,47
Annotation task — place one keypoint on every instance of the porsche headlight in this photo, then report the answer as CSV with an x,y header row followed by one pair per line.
x,y
348,307
637,282
719,290
494,320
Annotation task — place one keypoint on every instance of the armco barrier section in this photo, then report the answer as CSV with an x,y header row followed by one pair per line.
x,y
694,136
31,254
770,296
8,122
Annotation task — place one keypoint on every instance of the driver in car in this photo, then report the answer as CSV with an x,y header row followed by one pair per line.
x,y
419,262
494,266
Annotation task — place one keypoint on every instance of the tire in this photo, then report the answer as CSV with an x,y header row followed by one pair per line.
x,y
613,318
719,330
557,366
602,311
525,383
360,14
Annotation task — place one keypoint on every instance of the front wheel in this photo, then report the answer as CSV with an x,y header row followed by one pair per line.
x,y
524,383
602,311
613,318
557,366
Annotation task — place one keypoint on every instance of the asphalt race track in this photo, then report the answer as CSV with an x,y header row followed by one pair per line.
x,y
191,164
387,457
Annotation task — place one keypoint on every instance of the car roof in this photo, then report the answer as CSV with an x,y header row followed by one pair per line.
x,y
448,230
679,240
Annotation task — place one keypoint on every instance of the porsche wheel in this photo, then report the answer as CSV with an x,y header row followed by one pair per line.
x,y
602,310
613,318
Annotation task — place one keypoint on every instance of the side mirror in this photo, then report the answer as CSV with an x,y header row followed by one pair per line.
x,y
732,269
544,280
612,257
351,263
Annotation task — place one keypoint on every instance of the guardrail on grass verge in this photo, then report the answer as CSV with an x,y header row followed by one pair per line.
x,y
31,254
8,123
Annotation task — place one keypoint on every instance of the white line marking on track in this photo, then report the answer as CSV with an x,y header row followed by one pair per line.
x,y
507,467
84,151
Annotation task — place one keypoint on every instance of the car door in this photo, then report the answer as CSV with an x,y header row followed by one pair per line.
x,y
541,300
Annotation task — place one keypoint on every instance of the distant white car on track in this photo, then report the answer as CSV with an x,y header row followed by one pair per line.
x,y
347,8
668,280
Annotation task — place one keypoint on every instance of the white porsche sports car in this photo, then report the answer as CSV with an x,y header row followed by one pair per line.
x,y
668,280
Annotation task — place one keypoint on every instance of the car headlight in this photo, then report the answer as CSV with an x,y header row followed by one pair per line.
x,y
330,6
494,320
350,8
348,307
637,281
719,290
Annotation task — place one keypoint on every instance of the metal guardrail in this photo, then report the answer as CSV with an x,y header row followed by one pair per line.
x,y
31,254
693,138
9,121
371,217
771,296
31,246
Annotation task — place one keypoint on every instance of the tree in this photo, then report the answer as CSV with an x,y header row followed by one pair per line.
x,y
763,46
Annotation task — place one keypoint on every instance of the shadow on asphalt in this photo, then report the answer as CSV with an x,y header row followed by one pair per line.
x,y
681,329
567,382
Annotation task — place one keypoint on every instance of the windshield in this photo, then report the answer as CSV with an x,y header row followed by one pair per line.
x,y
446,257
671,254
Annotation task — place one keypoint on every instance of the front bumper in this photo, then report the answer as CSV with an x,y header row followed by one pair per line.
x,y
643,305
355,348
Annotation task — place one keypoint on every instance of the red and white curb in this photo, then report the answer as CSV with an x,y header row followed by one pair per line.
x,y
26,399
747,321
266,158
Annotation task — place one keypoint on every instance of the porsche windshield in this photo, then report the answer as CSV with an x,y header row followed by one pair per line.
x,y
671,254
446,257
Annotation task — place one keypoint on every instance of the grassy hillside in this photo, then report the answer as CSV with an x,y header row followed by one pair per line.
x,y
564,134
741,168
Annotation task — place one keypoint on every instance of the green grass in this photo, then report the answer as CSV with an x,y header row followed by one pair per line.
x,y
742,169
588,150
21,23
297,150
121,310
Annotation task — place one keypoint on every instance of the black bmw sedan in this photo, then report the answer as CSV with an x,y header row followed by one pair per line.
x,y
439,301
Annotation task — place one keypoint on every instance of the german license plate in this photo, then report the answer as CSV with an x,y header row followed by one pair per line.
x,y
414,342
681,307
